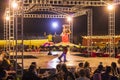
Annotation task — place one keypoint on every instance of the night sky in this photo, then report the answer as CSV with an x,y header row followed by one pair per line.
x,y
2,8
39,26
100,23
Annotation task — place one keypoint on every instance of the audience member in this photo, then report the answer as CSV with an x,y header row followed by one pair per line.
x,y
107,76
6,63
99,69
31,74
87,69
58,75
97,73
80,66
115,70
34,64
67,74
82,76
3,73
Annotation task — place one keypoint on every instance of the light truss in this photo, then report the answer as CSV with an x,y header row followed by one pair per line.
x,y
111,31
50,8
43,16
68,2
34,7
80,13
63,7
59,5
27,8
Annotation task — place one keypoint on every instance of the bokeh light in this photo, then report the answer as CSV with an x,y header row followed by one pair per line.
x,y
54,24
110,7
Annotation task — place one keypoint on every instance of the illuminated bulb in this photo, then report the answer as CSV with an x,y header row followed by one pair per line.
x,y
14,5
110,7
7,18
69,19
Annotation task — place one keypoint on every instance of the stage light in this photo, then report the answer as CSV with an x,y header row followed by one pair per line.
x,y
110,7
55,24
69,19
7,18
14,5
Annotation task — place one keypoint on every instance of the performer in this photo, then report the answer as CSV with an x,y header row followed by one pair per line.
x,y
65,33
65,50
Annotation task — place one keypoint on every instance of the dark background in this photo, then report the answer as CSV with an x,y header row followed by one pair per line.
x,y
39,26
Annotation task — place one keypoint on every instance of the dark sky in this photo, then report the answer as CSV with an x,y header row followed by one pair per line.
x,y
100,23
39,26
2,8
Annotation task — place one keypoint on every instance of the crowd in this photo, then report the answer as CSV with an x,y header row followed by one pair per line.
x,y
7,71
62,72
82,72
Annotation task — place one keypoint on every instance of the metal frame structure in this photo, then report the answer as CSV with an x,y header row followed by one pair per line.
x,y
111,32
89,30
14,27
57,9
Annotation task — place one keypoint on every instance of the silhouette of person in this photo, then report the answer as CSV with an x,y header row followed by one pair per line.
x,y
65,50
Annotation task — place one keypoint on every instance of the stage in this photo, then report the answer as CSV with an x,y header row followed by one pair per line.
x,y
46,61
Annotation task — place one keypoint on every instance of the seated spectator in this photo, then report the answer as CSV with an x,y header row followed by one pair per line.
x,y
115,70
87,69
97,73
11,73
34,64
58,75
80,66
31,74
82,76
99,69
6,63
67,75
106,75
58,68
62,74
3,73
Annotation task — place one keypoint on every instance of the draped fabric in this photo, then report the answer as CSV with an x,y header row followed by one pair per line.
x,y
65,38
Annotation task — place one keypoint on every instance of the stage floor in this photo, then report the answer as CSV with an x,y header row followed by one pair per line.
x,y
44,60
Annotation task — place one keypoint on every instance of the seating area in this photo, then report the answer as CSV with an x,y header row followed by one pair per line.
x,y
51,73
83,70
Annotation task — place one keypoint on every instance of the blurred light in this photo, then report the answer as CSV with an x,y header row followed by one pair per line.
x,y
7,12
69,19
110,7
14,5
7,18
55,24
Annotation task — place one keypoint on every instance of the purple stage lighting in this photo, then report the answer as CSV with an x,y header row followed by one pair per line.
x,y
55,24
